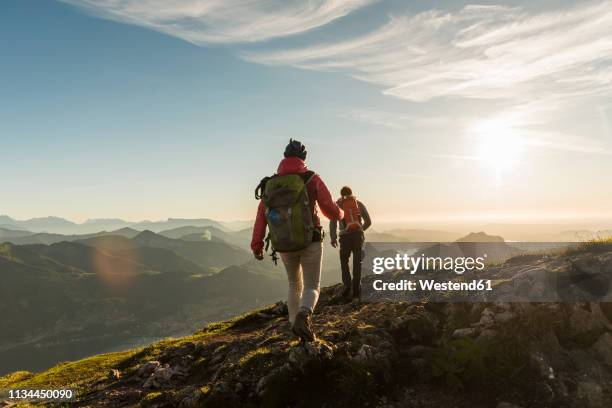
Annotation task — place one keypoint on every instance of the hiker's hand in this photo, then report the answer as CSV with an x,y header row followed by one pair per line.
x,y
258,255
334,243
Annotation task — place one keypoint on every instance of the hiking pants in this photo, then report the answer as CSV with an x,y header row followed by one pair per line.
x,y
304,275
351,243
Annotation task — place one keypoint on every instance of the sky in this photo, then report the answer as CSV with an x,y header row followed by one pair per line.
x,y
433,111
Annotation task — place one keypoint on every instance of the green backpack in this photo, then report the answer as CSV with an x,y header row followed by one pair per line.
x,y
288,211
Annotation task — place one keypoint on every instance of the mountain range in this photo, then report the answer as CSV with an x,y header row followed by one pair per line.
x,y
105,291
180,227
57,225
70,290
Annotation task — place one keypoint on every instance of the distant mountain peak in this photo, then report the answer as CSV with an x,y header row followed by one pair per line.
x,y
146,234
126,229
104,221
480,237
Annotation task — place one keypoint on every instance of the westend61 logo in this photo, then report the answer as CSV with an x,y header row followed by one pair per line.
x,y
412,263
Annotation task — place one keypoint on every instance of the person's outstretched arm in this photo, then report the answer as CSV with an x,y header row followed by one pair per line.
x,y
328,206
333,226
259,231
365,215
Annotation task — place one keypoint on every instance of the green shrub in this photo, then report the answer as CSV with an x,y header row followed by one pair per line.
x,y
483,363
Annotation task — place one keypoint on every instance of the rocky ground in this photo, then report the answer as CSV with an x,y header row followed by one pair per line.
x,y
378,354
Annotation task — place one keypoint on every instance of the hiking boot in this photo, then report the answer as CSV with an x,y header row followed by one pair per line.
x,y
302,327
356,295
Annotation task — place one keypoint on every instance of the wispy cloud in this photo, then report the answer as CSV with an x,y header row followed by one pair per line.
x,y
396,121
223,21
540,64
530,124
477,52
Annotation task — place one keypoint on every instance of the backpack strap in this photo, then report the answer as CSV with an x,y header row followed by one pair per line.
x,y
261,187
307,176
273,255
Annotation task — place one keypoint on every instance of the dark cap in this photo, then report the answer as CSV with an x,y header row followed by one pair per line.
x,y
295,148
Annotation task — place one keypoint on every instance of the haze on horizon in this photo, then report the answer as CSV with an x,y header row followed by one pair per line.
x,y
445,112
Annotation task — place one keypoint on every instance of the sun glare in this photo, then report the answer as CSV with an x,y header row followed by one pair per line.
x,y
498,145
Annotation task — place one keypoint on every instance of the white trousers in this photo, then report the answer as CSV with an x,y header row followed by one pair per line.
x,y
304,275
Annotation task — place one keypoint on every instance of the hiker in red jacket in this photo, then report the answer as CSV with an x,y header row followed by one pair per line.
x,y
304,265
356,221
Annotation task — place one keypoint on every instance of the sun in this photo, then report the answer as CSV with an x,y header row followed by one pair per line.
x,y
498,145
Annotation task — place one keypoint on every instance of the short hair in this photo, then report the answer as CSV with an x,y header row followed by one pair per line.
x,y
346,191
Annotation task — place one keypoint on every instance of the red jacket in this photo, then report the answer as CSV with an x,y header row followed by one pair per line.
x,y
317,193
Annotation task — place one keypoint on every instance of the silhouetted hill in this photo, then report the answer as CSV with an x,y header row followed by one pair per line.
x,y
480,237
48,239
411,235
69,300
241,239
214,254
172,223
104,224
57,225
9,233
88,259
177,233
135,260
206,236
163,260
125,232
41,224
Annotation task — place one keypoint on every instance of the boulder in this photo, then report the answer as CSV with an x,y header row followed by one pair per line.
x,y
487,318
504,317
310,353
189,397
145,370
465,332
160,377
603,349
488,334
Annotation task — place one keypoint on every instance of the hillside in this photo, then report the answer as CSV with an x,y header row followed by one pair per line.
x,y
69,300
480,237
9,233
208,254
45,238
377,353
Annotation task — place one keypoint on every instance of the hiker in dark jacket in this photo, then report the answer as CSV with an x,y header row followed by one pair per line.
x,y
356,221
303,266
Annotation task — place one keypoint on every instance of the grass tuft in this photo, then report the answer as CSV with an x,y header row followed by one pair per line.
x,y
74,375
602,244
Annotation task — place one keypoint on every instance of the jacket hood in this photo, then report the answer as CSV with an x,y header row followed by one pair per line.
x,y
291,165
